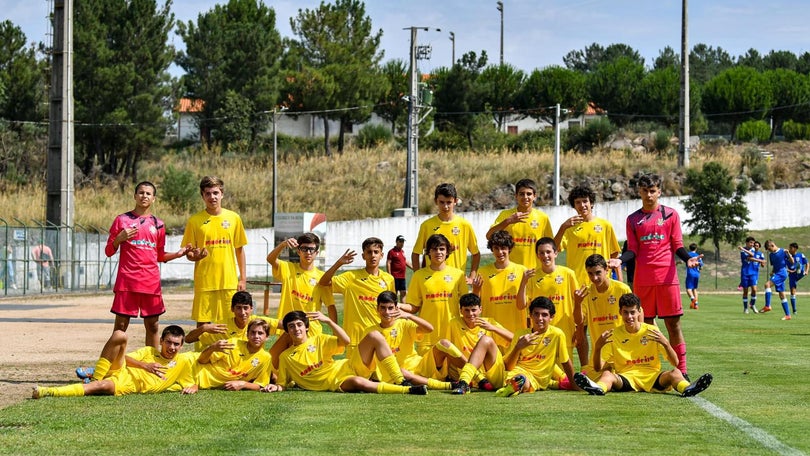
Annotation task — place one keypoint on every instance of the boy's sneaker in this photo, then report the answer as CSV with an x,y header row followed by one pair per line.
x,y
786,317
754,309
745,311
513,386
485,385
85,373
700,385
765,309
588,385
462,388
420,390
406,382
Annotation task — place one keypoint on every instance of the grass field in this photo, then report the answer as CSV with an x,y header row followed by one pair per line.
x,y
756,405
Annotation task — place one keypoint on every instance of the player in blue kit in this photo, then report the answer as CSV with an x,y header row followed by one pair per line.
x,y
751,259
796,272
780,261
693,277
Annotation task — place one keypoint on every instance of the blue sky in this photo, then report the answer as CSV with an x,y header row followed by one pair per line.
x,y
536,33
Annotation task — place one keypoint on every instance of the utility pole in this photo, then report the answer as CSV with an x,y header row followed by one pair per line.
x,y
276,112
500,8
683,144
453,40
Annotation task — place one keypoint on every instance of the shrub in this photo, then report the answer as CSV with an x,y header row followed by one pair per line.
x,y
661,142
757,131
373,136
593,134
179,188
795,131
534,140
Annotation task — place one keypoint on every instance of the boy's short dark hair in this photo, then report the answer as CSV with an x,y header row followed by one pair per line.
x,y
241,297
581,191
526,183
469,300
386,297
543,241
542,302
794,245
692,247
649,180
595,260
768,242
749,239
295,315
437,240
173,330
148,184
501,238
372,241
259,322
630,300
445,189
309,238
211,181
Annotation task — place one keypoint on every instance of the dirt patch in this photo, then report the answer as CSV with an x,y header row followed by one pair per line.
x,y
46,337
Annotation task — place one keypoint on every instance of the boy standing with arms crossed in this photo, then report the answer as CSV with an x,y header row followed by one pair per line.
x,y
751,259
525,223
217,238
458,231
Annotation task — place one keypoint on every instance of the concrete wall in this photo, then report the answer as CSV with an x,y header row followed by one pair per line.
x,y
771,209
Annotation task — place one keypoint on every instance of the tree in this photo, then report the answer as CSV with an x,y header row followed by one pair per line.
x,y
232,49
705,62
780,59
590,58
21,77
736,95
791,95
121,86
391,106
660,94
614,87
667,58
500,85
457,96
752,58
549,86
337,40
717,206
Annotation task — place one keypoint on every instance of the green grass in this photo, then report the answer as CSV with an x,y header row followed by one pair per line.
x,y
759,365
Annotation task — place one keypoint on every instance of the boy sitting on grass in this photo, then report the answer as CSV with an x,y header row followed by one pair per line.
x,y
234,327
236,364
633,349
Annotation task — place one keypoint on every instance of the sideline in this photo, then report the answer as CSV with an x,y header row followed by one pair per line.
x,y
767,440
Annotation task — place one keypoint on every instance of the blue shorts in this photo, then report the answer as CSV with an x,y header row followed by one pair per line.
x,y
778,281
692,282
399,285
793,279
749,280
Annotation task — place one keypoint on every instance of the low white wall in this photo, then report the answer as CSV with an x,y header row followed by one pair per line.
x,y
768,210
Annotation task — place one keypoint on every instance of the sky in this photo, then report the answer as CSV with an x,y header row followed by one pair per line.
x,y
537,33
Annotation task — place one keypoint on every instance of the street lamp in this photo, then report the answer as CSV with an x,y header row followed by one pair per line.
x,y
453,40
500,8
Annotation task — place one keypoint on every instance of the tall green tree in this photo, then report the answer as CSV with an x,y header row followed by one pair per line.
x,y
549,86
121,86
500,86
752,58
232,49
590,58
780,59
667,57
659,93
337,39
790,95
457,95
614,86
21,77
706,61
716,205
391,106
736,95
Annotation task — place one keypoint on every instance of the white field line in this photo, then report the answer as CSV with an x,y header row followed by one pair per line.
x,y
767,440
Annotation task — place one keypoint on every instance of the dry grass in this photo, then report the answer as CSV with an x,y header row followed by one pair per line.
x,y
358,184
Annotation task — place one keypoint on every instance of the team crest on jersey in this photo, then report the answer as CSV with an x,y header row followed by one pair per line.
x,y
511,277
152,229
558,280
254,362
171,364
611,300
597,228
381,283
448,278
481,333
546,341
312,281
660,222
311,348
535,224
225,224
456,230
644,340
394,333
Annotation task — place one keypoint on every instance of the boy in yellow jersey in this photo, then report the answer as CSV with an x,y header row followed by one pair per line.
x,y
457,230
559,284
524,223
633,349
468,329
234,327
585,234
498,283
217,238
599,303
147,370
360,289
236,364
530,362
299,281
308,361
434,292
401,330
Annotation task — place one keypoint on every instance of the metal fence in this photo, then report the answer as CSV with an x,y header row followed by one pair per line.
x,y
40,257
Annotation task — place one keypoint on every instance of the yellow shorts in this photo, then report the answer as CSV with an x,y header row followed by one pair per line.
x,y
210,306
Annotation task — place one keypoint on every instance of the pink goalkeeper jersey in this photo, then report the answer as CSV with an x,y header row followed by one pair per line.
x,y
654,237
138,269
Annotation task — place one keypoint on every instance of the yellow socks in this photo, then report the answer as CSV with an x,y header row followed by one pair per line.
x,y
681,386
390,369
452,350
467,373
74,390
438,384
102,367
387,388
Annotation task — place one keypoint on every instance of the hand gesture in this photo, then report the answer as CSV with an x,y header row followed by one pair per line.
x,y
604,339
614,263
527,339
573,221
347,257
658,336
127,234
222,345
214,328
580,294
157,369
517,217
292,243
477,284
318,316
484,324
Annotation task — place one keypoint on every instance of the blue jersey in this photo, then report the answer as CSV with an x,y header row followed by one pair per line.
x,y
779,261
799,263
694,272
749,266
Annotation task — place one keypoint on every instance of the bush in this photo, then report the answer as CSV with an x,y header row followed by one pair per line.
x,y
179,188
445,140
661,142
593,134
757,131
795,131
534,140
373,136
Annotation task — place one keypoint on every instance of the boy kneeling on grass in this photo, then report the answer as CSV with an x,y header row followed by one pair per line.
x,y
634,350
307,360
